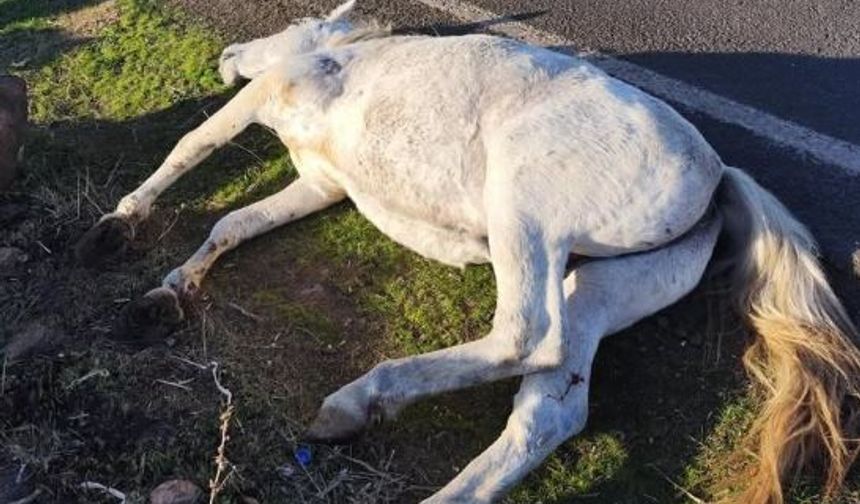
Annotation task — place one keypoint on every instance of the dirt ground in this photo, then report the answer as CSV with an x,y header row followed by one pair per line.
x,y
289,318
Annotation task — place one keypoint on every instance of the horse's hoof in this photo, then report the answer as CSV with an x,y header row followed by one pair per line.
x,y
335,425
108,238
150,318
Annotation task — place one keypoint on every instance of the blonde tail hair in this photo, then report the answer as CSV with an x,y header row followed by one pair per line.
x,y
803,357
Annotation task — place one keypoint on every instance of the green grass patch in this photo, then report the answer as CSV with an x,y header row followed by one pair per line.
x,y
302,319
147,61
266,177
26,25
716,468
574,470
424,305
433,307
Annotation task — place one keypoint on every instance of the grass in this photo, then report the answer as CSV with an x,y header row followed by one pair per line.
x,y
712,470
141,64
575,470
289,317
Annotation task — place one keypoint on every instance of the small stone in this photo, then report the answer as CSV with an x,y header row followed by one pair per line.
x,y
37,336
313,290
287,471
176,492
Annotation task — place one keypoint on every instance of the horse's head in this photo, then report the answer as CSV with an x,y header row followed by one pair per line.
x,y
305,35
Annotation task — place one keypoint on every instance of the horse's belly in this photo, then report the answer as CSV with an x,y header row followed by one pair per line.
x,y
441,186
452,245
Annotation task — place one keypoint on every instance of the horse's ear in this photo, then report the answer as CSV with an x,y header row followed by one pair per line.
x,y
342,12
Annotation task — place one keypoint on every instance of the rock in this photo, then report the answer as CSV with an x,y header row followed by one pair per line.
x,y
13,123
176,492
10,258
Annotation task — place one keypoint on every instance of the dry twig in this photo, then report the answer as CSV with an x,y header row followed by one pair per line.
x,y
245,312
222,465
92,485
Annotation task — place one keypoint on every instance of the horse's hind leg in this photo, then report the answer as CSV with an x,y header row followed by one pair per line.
x,y
154,313
602,297
113,231
598,299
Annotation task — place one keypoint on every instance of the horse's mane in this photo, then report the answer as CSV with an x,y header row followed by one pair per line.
x,y
365,31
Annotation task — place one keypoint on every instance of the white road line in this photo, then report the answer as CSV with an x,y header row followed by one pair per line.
x,y
822,147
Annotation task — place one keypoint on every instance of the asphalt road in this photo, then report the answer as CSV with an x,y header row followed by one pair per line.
x,y
793,59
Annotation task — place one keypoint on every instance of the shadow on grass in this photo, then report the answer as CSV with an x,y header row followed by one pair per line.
x,y
33,48
17,11
27,40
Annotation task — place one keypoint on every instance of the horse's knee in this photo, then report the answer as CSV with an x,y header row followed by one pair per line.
x,y
228,64
229,231
542,428
224,233
531,347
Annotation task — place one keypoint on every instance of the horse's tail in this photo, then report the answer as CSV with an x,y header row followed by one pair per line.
x,y
803,358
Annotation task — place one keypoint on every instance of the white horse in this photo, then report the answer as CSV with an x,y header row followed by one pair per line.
x,y
481,149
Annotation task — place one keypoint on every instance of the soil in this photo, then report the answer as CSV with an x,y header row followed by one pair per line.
x,y
88,21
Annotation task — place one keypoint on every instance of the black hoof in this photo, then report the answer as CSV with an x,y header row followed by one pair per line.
x,y
334,425
317,436
108,238
149,319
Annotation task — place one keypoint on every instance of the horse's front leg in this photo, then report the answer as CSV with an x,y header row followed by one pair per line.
x,y
160,308
115,230
527,336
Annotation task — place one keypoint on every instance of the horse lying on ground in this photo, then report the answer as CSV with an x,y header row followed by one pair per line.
x,y
480,149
